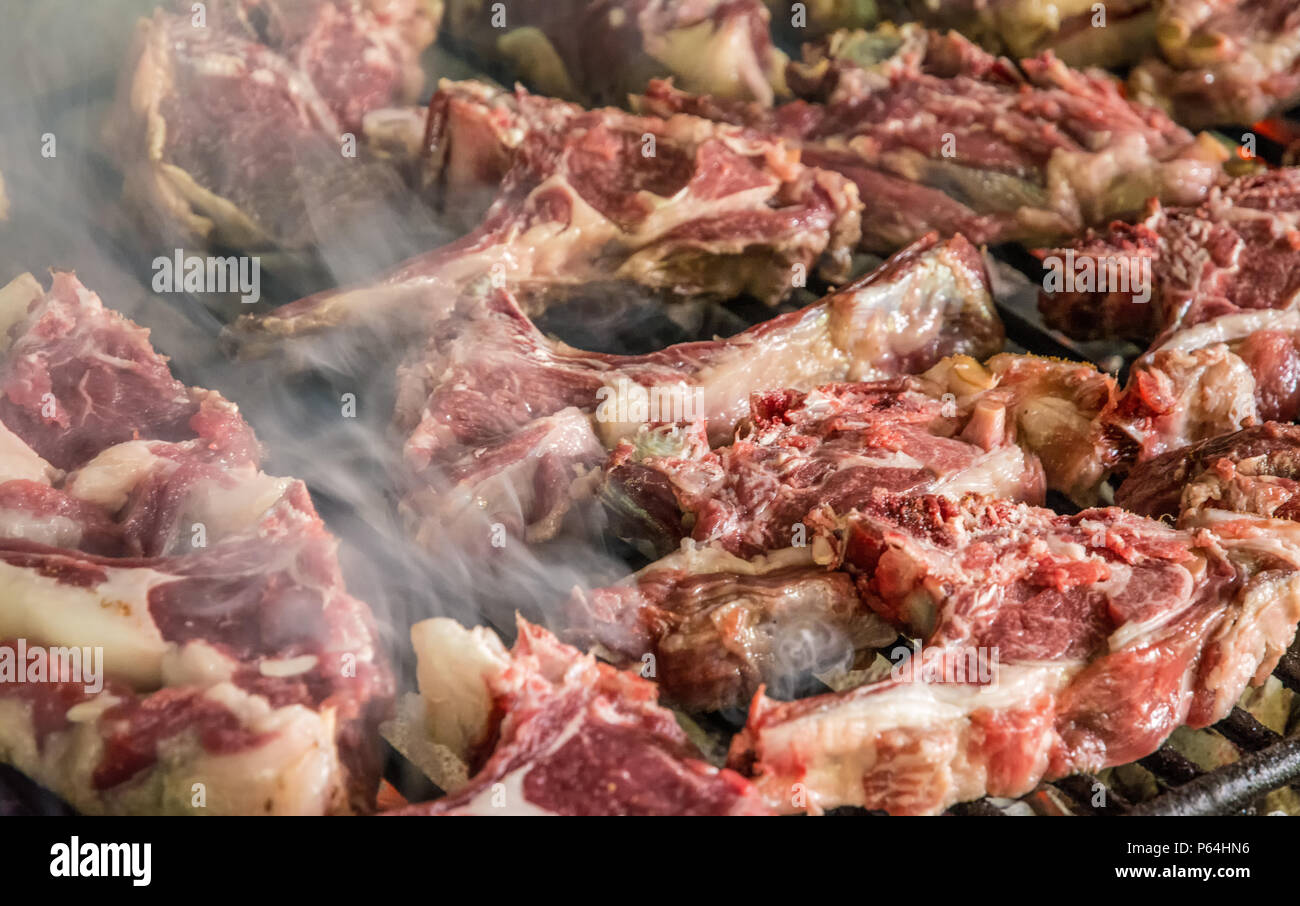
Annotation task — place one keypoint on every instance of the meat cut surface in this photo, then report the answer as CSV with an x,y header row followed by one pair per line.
x,y
599,51
1010,429
547,730
679,205
716,627
134,519
1223,61
1238,251
939,135
1254,470
232,131
1214,378
1050,645
499,419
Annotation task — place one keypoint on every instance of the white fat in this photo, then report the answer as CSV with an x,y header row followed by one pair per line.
x,y
509,792
703,560
228,510
16,297
90,711
19,461
798,359
55,531
1227,328
197,663
114,615
455,667
838,743
294,771
108,479
294,666
1003,472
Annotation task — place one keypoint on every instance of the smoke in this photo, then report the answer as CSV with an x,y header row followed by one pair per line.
x,y
329,425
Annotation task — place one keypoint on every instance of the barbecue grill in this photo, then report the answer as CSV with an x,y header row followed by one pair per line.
x,y
1268,761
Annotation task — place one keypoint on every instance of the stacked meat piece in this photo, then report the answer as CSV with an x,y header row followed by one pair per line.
x,y
235,127
938,134
501,422
235,673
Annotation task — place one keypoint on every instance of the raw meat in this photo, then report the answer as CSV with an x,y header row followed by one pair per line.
x,y
1214,378
1009,429
678,205
1255,470
499,419
231,124
1050,645
239,677
1239,251
598,51
1021,28
715,627
548,730
939,135
1223,61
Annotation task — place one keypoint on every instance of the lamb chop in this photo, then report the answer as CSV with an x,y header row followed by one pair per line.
x,y
1222,61
715,627
938,134
1254,470
1238,251
1221,375
500,419
1050,645
599,51
547,730
679,205
1071,29
1009,429
232,124
238,675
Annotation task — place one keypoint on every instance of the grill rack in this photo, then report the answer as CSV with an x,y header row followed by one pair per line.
x,y
1269,761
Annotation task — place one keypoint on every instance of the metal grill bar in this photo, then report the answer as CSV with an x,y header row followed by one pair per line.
x,y
1231,789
